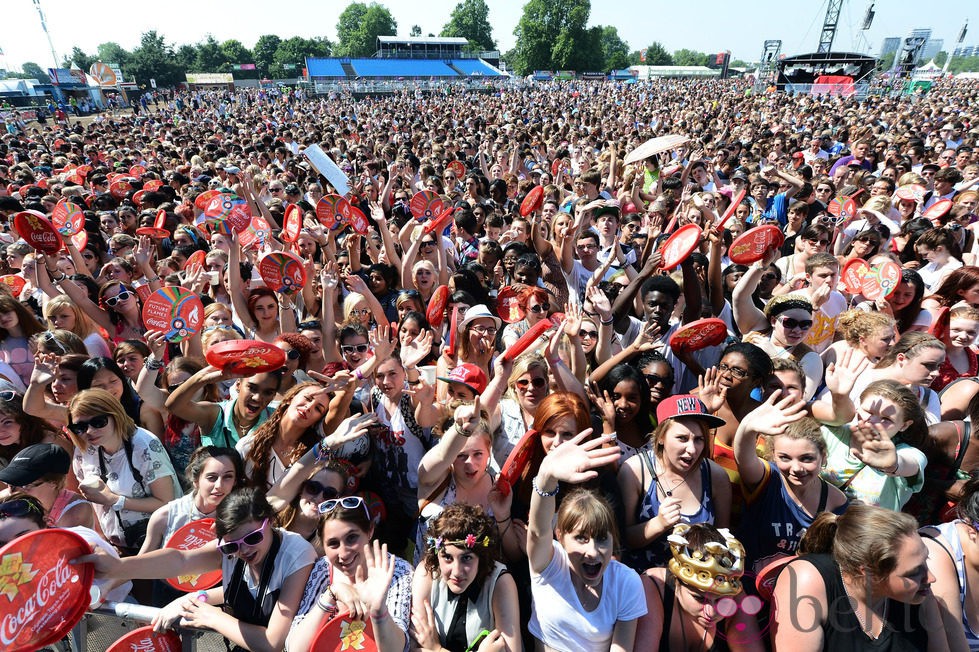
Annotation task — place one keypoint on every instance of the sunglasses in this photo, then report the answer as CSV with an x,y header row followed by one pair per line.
x,y
540,307
428,243
409,294
314,488
538,383
293,354
351,348
308,326
81,427
653,379
347,502
7,395
589,334
789,323
17,508
250,539
122,296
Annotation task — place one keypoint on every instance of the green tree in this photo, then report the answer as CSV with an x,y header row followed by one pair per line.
x,y
739,63
470,20
78,59
111,52
964,64
34,71
235,52
185,57
685,57
941,58
360,25
264,52
155,59
614,49
210,56
416,30
293,52
886,61
552,34
656,55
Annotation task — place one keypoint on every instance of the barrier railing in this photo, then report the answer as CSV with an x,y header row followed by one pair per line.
x,y
101,627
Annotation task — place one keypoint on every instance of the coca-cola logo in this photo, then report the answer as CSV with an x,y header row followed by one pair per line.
x,y
48,598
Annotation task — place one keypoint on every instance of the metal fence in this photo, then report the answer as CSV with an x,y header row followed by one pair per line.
x,y
99,629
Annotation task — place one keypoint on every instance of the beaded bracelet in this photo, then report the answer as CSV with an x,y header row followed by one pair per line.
x,y
543,494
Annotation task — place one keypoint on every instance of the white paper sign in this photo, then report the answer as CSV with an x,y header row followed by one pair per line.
x,y
325,166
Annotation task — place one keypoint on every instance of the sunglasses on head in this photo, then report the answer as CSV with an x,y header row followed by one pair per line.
x,y
309,325
347,502
250,539
122,296
314,488
351,348
789,323
17,508
81,427
540,307
538,382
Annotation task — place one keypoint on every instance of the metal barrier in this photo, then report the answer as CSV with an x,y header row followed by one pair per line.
x,y
100,628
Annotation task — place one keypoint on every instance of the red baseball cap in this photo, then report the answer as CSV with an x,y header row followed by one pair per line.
x,y
686,405
469,375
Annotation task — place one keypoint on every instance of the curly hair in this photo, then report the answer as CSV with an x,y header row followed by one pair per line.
x,y
260,454
456,523
300,343
859,324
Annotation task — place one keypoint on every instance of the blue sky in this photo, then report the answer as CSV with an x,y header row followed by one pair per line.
x,y
707,25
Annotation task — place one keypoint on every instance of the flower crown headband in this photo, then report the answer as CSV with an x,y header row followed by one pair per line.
x,y
469,542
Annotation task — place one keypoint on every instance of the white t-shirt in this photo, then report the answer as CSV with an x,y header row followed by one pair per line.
x,y
933,275
295,553
149,458
559,620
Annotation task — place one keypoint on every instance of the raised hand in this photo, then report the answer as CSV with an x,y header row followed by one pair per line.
x,y
572,319
417,349
842,375
599,301
604,404
423,627
711,391
774,415
466,418
870,444
380,339
373,586
576,460
649,338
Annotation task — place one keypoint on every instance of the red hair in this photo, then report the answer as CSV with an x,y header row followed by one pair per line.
x,y
559,405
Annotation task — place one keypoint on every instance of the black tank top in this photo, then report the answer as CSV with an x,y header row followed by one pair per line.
x,y
842,631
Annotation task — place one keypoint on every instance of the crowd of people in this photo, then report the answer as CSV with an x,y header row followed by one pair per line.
x,y
493,435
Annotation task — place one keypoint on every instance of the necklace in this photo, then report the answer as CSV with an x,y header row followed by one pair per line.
x,y
866,628
668,492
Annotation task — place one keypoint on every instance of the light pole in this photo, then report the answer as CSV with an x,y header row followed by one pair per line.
x,y
948,59
44,26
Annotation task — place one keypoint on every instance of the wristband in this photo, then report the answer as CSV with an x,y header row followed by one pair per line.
x,y
358,375
607,323
540,492
152,363
120,504
322,452
153,279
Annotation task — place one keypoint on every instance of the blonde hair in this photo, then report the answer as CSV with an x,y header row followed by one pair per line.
x,y
83,326
858,324
209,335
349,302
880,203
93,402
522,365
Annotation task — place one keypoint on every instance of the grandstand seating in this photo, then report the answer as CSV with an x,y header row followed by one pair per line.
x,y
325,68
339,69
